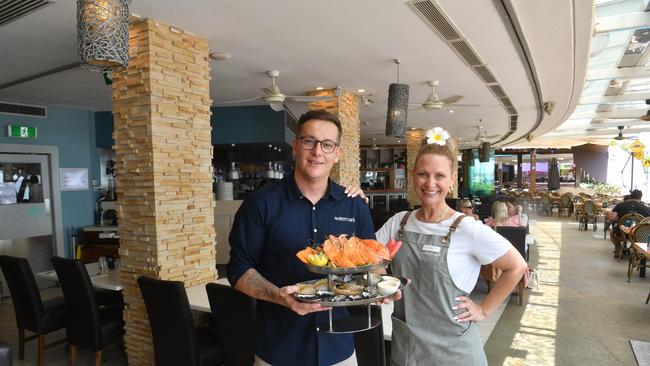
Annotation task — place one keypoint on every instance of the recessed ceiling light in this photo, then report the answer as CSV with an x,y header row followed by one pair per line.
x,y
451,111
413,128
361,90
319,88
399,140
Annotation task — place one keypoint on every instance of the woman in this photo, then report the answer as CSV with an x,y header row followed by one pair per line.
x,y
442,252
516,212
465,206
500,216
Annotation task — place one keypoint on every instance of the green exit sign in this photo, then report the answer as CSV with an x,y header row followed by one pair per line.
x,y
21,132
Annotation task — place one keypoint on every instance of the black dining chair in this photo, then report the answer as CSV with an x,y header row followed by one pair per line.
x,y
5,353
234,316
517,237
32,313
369,345
89,326
175,339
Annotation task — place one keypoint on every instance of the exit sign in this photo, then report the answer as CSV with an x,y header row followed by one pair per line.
x,y
21,132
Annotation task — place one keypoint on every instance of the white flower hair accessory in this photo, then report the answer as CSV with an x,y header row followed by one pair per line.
x,y
437,136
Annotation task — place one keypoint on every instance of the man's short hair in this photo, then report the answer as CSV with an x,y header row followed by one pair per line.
x,y
636,194
322,115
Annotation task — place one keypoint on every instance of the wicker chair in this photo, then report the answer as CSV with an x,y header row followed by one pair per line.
x,y
629,220
546,205
640,234
566,204
527,200
589,213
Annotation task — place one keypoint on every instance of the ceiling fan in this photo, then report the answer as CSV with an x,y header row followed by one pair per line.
x,y
274,97
481,136
433,102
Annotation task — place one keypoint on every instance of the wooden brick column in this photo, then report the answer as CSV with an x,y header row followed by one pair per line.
x,y
413,143
161,107
346,107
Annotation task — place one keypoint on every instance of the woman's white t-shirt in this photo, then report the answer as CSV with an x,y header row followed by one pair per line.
x,y
471,245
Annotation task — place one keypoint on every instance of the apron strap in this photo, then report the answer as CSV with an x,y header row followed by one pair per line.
x,y
400,233
453,228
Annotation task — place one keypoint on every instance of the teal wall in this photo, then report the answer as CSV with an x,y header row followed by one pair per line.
x,y
72,131
104,130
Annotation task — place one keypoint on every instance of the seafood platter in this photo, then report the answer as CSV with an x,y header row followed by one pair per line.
x,y
349,263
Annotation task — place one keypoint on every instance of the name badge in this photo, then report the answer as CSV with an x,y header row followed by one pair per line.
x,y
430,248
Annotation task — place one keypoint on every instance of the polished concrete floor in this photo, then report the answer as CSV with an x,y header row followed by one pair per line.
x,y
583,313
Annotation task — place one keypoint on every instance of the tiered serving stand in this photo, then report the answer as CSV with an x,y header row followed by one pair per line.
x,y
351,324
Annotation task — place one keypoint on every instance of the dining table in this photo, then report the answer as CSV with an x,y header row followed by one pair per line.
x,y
196,295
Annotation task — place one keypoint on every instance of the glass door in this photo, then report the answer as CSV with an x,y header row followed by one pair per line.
x,y
26,224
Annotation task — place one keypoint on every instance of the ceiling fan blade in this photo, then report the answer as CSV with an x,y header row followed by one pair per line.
x,y
238,101
462,105
492,136
452,99
307,98
277,106
269,91
419,107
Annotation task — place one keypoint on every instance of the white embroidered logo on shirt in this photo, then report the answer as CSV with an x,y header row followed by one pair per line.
x,y
346,219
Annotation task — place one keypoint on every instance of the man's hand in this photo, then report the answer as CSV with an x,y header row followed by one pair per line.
x,y
300,308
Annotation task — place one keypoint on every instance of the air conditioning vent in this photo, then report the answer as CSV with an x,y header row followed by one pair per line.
x,y
511,110
506,102
11,10
23,110
485,74
498,91
466,53
435,19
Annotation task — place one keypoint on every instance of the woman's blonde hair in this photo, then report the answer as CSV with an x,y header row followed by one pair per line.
x,y
448,150
499,212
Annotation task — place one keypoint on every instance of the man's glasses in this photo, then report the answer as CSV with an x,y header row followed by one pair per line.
x,y
308,143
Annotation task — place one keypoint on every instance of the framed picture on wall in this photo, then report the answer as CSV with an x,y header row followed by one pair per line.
x,y
74,179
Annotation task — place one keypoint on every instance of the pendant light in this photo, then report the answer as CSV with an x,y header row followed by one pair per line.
x,y
398,103
103,34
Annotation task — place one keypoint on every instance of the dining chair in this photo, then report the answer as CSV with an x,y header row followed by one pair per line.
x,y
89,326
629,220
5,353
565,204
175,339
639,234
32,313
589,214
234,317
517,237
369,345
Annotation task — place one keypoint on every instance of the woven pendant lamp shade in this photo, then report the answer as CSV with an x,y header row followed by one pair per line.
x,y
398,103
103,34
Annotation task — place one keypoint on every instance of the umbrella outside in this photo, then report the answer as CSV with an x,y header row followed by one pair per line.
x,y
553,176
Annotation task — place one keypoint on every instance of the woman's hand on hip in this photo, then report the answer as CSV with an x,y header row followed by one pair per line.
x,y
468,310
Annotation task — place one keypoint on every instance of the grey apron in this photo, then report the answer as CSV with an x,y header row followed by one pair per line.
x,y
424,332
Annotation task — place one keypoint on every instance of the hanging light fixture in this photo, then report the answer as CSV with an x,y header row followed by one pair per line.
x,y
398,103
103,34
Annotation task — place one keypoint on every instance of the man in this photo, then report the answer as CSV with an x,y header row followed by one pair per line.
x,y
272,225
633,204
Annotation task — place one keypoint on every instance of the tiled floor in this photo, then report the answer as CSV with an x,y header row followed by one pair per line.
x,y
583,313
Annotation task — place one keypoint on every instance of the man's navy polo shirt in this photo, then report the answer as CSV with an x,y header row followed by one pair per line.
x,y
270,227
